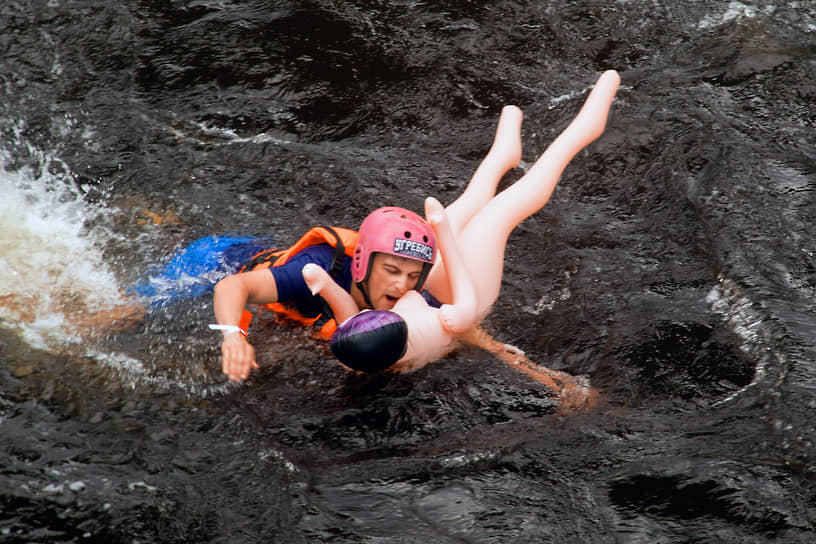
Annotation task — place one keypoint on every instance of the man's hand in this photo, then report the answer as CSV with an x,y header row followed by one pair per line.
x,y
238,357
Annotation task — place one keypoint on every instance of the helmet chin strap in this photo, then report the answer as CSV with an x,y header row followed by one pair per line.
x,y
426,268
361,287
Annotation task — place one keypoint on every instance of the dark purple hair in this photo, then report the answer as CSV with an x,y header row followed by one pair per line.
x,y
370,341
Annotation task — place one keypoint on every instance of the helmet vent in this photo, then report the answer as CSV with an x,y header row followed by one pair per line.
x,y
408,234
425,239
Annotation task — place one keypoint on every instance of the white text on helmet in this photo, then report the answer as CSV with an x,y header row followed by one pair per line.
x,y
413,250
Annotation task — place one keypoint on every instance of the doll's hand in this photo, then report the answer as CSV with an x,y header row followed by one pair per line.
x,y
454,321
316,278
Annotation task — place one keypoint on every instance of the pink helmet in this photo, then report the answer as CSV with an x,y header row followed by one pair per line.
x,y
395,231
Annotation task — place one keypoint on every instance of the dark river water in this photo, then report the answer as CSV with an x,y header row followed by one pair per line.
x,y
674,267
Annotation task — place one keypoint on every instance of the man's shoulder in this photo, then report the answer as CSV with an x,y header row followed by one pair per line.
x,y
289,276
318,254
322,255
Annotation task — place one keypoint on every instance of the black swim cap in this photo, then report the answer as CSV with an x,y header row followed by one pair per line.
x,y
370,341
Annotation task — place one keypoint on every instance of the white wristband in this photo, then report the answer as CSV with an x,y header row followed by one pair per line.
x,y
229,329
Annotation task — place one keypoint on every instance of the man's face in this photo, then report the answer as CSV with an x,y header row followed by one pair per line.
x,y
390,278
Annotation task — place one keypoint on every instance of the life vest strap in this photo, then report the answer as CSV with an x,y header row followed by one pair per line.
x,y
265,256
343,241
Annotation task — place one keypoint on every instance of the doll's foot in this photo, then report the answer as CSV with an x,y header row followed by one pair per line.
x,y
507,142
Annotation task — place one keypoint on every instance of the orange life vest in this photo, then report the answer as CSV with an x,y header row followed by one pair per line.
x,y
341,239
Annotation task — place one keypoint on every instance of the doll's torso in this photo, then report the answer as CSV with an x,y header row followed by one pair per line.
x,y
427,339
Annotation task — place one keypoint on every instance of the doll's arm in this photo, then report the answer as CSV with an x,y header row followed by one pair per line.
x,y
339,300
574,391
462,314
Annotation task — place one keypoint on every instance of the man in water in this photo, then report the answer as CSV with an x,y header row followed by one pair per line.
x,y
392,255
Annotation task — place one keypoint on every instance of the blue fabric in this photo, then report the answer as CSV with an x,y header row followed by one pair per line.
x,y
430,299
292,287
194,270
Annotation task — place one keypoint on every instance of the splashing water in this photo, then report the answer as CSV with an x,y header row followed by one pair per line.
x,y
60,291
52,267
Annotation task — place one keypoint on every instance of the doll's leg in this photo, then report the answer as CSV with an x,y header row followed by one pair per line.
x,y
504,154
483,240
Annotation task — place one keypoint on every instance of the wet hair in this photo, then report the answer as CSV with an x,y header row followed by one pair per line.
x,y
370,341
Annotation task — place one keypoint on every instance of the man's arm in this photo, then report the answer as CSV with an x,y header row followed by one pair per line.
x,y
231,296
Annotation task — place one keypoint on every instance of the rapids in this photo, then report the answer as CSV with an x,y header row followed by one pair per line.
x,y
674,267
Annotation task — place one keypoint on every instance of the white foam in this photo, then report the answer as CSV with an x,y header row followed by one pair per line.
x,y
744,318
49,262
735,10
51,266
